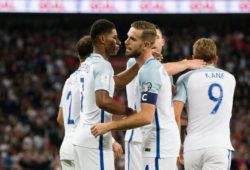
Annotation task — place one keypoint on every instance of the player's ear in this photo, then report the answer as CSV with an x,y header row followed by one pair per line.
x,y
147,44
215,60
101,38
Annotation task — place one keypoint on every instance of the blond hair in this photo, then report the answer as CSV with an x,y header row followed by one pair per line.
x,y
205,49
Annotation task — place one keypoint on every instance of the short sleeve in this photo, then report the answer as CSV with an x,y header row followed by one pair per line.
x,y
130,62
131,87
181,89
150,84
103,74
63,94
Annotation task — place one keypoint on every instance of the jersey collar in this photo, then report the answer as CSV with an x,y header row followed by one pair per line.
x,y
95,55
151,58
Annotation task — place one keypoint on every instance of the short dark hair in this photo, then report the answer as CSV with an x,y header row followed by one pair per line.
x,y
100,27
84,47
205,49
149,30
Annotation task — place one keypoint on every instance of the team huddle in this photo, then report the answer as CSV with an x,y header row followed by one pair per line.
x,y
153,115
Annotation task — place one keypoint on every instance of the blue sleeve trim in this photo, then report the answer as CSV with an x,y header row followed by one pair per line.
x,y
147,97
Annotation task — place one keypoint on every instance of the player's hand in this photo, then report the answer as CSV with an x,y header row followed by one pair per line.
x,y
99,129
117,149
158,56
194,64
180,159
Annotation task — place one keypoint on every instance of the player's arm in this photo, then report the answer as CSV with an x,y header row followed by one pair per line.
x,y
139,119
126,76
103,79
60,111
177,67
178,108
180,98
60,117
105,102
150,82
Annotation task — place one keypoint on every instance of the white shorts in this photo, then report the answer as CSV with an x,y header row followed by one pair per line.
x,y
169,163
93,159
208,159
66,149
133,156
67,154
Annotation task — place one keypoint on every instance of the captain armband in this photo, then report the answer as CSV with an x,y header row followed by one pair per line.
x,y
147,97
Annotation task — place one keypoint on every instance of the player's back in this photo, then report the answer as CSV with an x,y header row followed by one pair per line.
x,y
160,138
70,103
96,73
209,104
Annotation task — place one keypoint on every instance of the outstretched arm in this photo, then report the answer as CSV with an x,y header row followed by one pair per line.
x,y
142,118
177,67
123,78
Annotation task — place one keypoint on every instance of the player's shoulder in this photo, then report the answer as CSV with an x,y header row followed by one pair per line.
x,y
186,76
67,83
150,70
96,58
151,65
98,61
228,74
72,79
131,62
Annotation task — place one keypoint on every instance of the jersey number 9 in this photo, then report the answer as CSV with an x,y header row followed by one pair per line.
x,y
215,98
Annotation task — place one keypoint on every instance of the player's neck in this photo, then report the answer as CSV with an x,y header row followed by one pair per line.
x,y
146,55
139,61
102,52
213,63
210,64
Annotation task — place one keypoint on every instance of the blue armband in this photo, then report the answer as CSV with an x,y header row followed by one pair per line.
x,y
147,97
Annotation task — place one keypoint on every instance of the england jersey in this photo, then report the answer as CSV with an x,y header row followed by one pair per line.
x,y
70,105
161,138
208,96
133,135
95,74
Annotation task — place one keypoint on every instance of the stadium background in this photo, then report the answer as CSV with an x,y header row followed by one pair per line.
x,y
37,55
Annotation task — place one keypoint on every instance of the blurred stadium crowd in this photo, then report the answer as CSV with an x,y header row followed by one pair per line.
x,y
36,60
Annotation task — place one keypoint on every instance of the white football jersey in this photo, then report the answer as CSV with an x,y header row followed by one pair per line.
x,y
161,138
95,74
70,104
133,135
208,96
